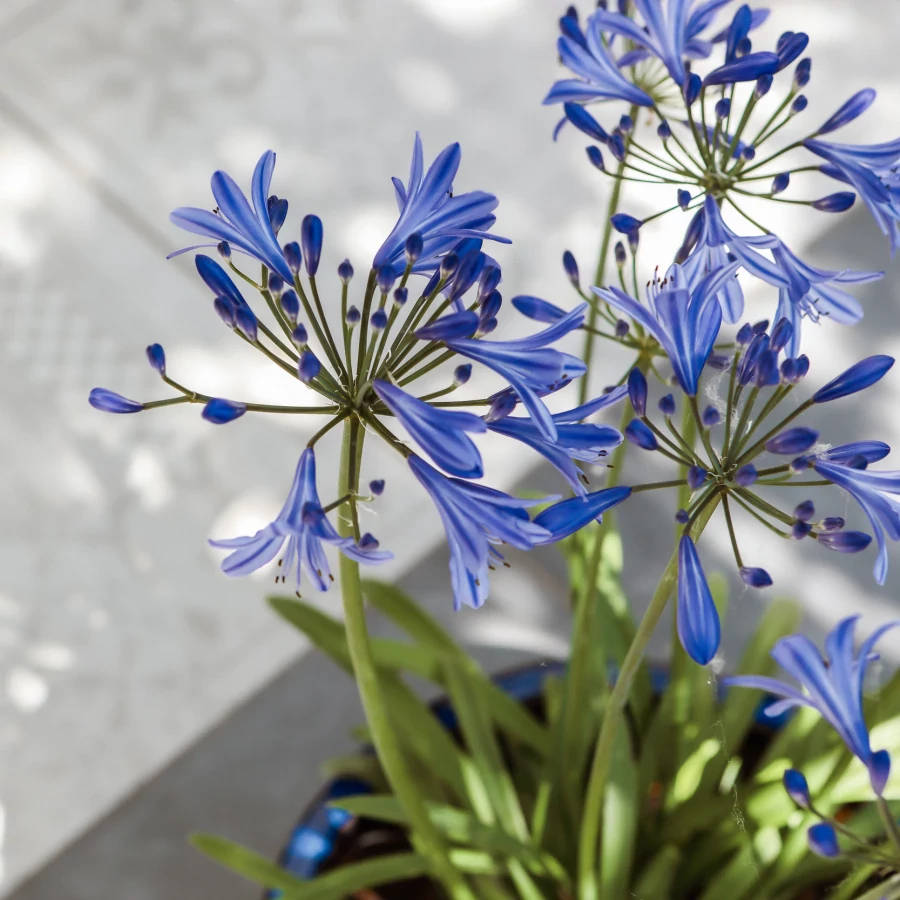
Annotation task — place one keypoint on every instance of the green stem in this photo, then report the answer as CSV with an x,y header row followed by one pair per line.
x,y
890,823
588,887
383,730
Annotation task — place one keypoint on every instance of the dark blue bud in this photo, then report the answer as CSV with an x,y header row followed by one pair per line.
x,y
400,296
486,326
308,367
682,517
822,840
290,305
368,542
385,278
748,153
766,374
634,238
345,271
245,322
789,371
596,158
747,366
844,541
311,236
835,203
696,476
447,328
800,103
790,48
718,362
585,122
755,577
294,258
224,249
745,475
797,788
637,391
832,523
744,335
449,264
376,488
616,147
667,405
571,267
800,464
626,124
804,511
487,282
761,327
684,198
537,309
800,530
793,440
275,284
461,374
620,254
640,435
221,412
723,109
664,131
802,366
711,416
277,209
299,335
851,110
802,73
111,402
781,334
692,86
622,328
781,183
744,47
225,310
857,378
763,85
747,68
353,316
156,356
491,306
379,320
414,246
501,406
737,31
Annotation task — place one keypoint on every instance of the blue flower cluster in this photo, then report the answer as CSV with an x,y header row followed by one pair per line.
x,y
361,363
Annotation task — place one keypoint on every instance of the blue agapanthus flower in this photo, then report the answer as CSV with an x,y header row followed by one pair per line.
x,y
834,688
429,208
245,228
871,169
686,323
305,527
587,54
530,366
575,440
476,519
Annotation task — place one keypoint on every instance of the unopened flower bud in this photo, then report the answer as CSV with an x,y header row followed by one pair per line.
x,y
620,254
622,328
245,322
275,284
220,411
745,475
684,198
780,183
157,358
696,476
299,335
224,249
637,391
571,267
376,488
667,405
290,305
664,131
763,84
461,374
345,271
111,402
804,511
596,157
682,517
353,316
626,124
800,103
311,236
755,577
832,523
385,278
308,367
401,295
293,257
797,787
379,320
449,265
640,435
723,109
501,406
711,416
800,530
414,245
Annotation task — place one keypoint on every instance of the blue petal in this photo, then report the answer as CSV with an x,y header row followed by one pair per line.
x,y
851,110
857,378
747,68
448,328
537,309
568,516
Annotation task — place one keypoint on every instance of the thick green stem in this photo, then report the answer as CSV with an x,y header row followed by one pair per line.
x,y
588,886
390,755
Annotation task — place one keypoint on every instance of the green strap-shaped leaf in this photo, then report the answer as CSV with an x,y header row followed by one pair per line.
x,y
410,616
656,880
621,810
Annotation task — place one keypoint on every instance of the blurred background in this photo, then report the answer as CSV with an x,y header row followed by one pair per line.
x,y
142,694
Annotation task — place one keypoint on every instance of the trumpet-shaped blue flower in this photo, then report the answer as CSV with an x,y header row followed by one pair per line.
x,y
873,171
587,55
249,229
429,208
834,689
575,439
685,322
305,527
876,493
476,518
441,433
699,629
530,365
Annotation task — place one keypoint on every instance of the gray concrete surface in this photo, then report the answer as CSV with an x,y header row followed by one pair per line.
x,y
121,647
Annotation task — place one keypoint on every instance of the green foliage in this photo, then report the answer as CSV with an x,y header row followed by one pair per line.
x,y
694,808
